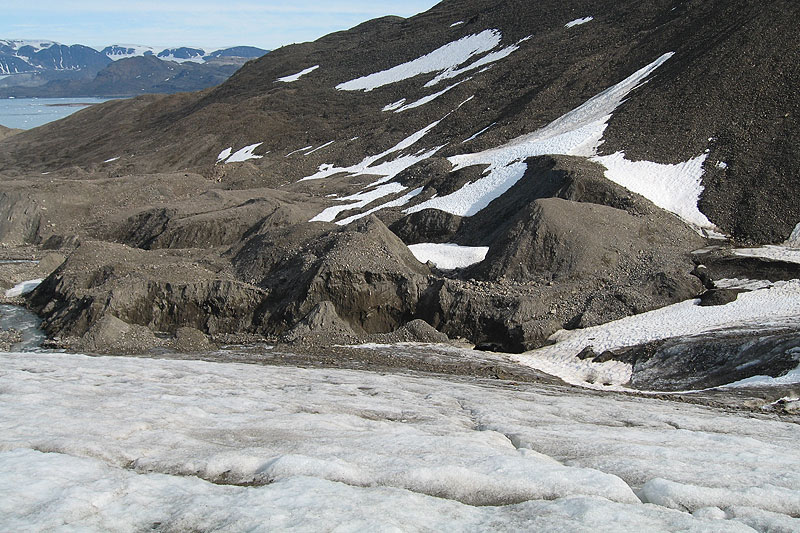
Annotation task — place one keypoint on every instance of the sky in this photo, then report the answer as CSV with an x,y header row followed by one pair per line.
x,y
267,24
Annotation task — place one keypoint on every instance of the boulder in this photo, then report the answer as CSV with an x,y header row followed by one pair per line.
x,y
110,335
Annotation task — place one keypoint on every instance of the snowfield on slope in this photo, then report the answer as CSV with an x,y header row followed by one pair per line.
x,y
117,443
675,188
445,61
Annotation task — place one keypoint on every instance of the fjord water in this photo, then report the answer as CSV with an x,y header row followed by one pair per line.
x,y
27,113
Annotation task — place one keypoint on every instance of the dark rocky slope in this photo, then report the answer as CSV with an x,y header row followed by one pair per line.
x,y
165,236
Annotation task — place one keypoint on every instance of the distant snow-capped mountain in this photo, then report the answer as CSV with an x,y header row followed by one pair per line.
x,y
181,54
31,56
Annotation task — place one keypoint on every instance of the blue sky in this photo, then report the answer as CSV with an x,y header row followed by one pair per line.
x,y
205,23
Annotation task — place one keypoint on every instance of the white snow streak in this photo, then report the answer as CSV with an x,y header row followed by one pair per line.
x,y
443,60
359,199
295,77
422,101
578,22
386,169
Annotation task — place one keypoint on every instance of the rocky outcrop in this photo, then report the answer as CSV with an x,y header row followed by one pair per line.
x,y
110,335
163,291
709,361
364,270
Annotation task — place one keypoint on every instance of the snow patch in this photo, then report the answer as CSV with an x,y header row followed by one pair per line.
x,y
775,305
244,154
387,169
294,77
360,199
111,160
401,201
21,289
578,22
676,188
579,132
443,60
771,252
448,256
225,154
492,57
459,23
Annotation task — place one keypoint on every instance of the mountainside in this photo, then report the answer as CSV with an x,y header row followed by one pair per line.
x,y
500,170
56,70
134,76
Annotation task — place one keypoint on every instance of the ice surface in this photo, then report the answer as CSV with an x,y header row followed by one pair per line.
x,y
445,59
23,288
742,283
117,443
448,256
773,252
244,154
778,304
297,76
578,22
